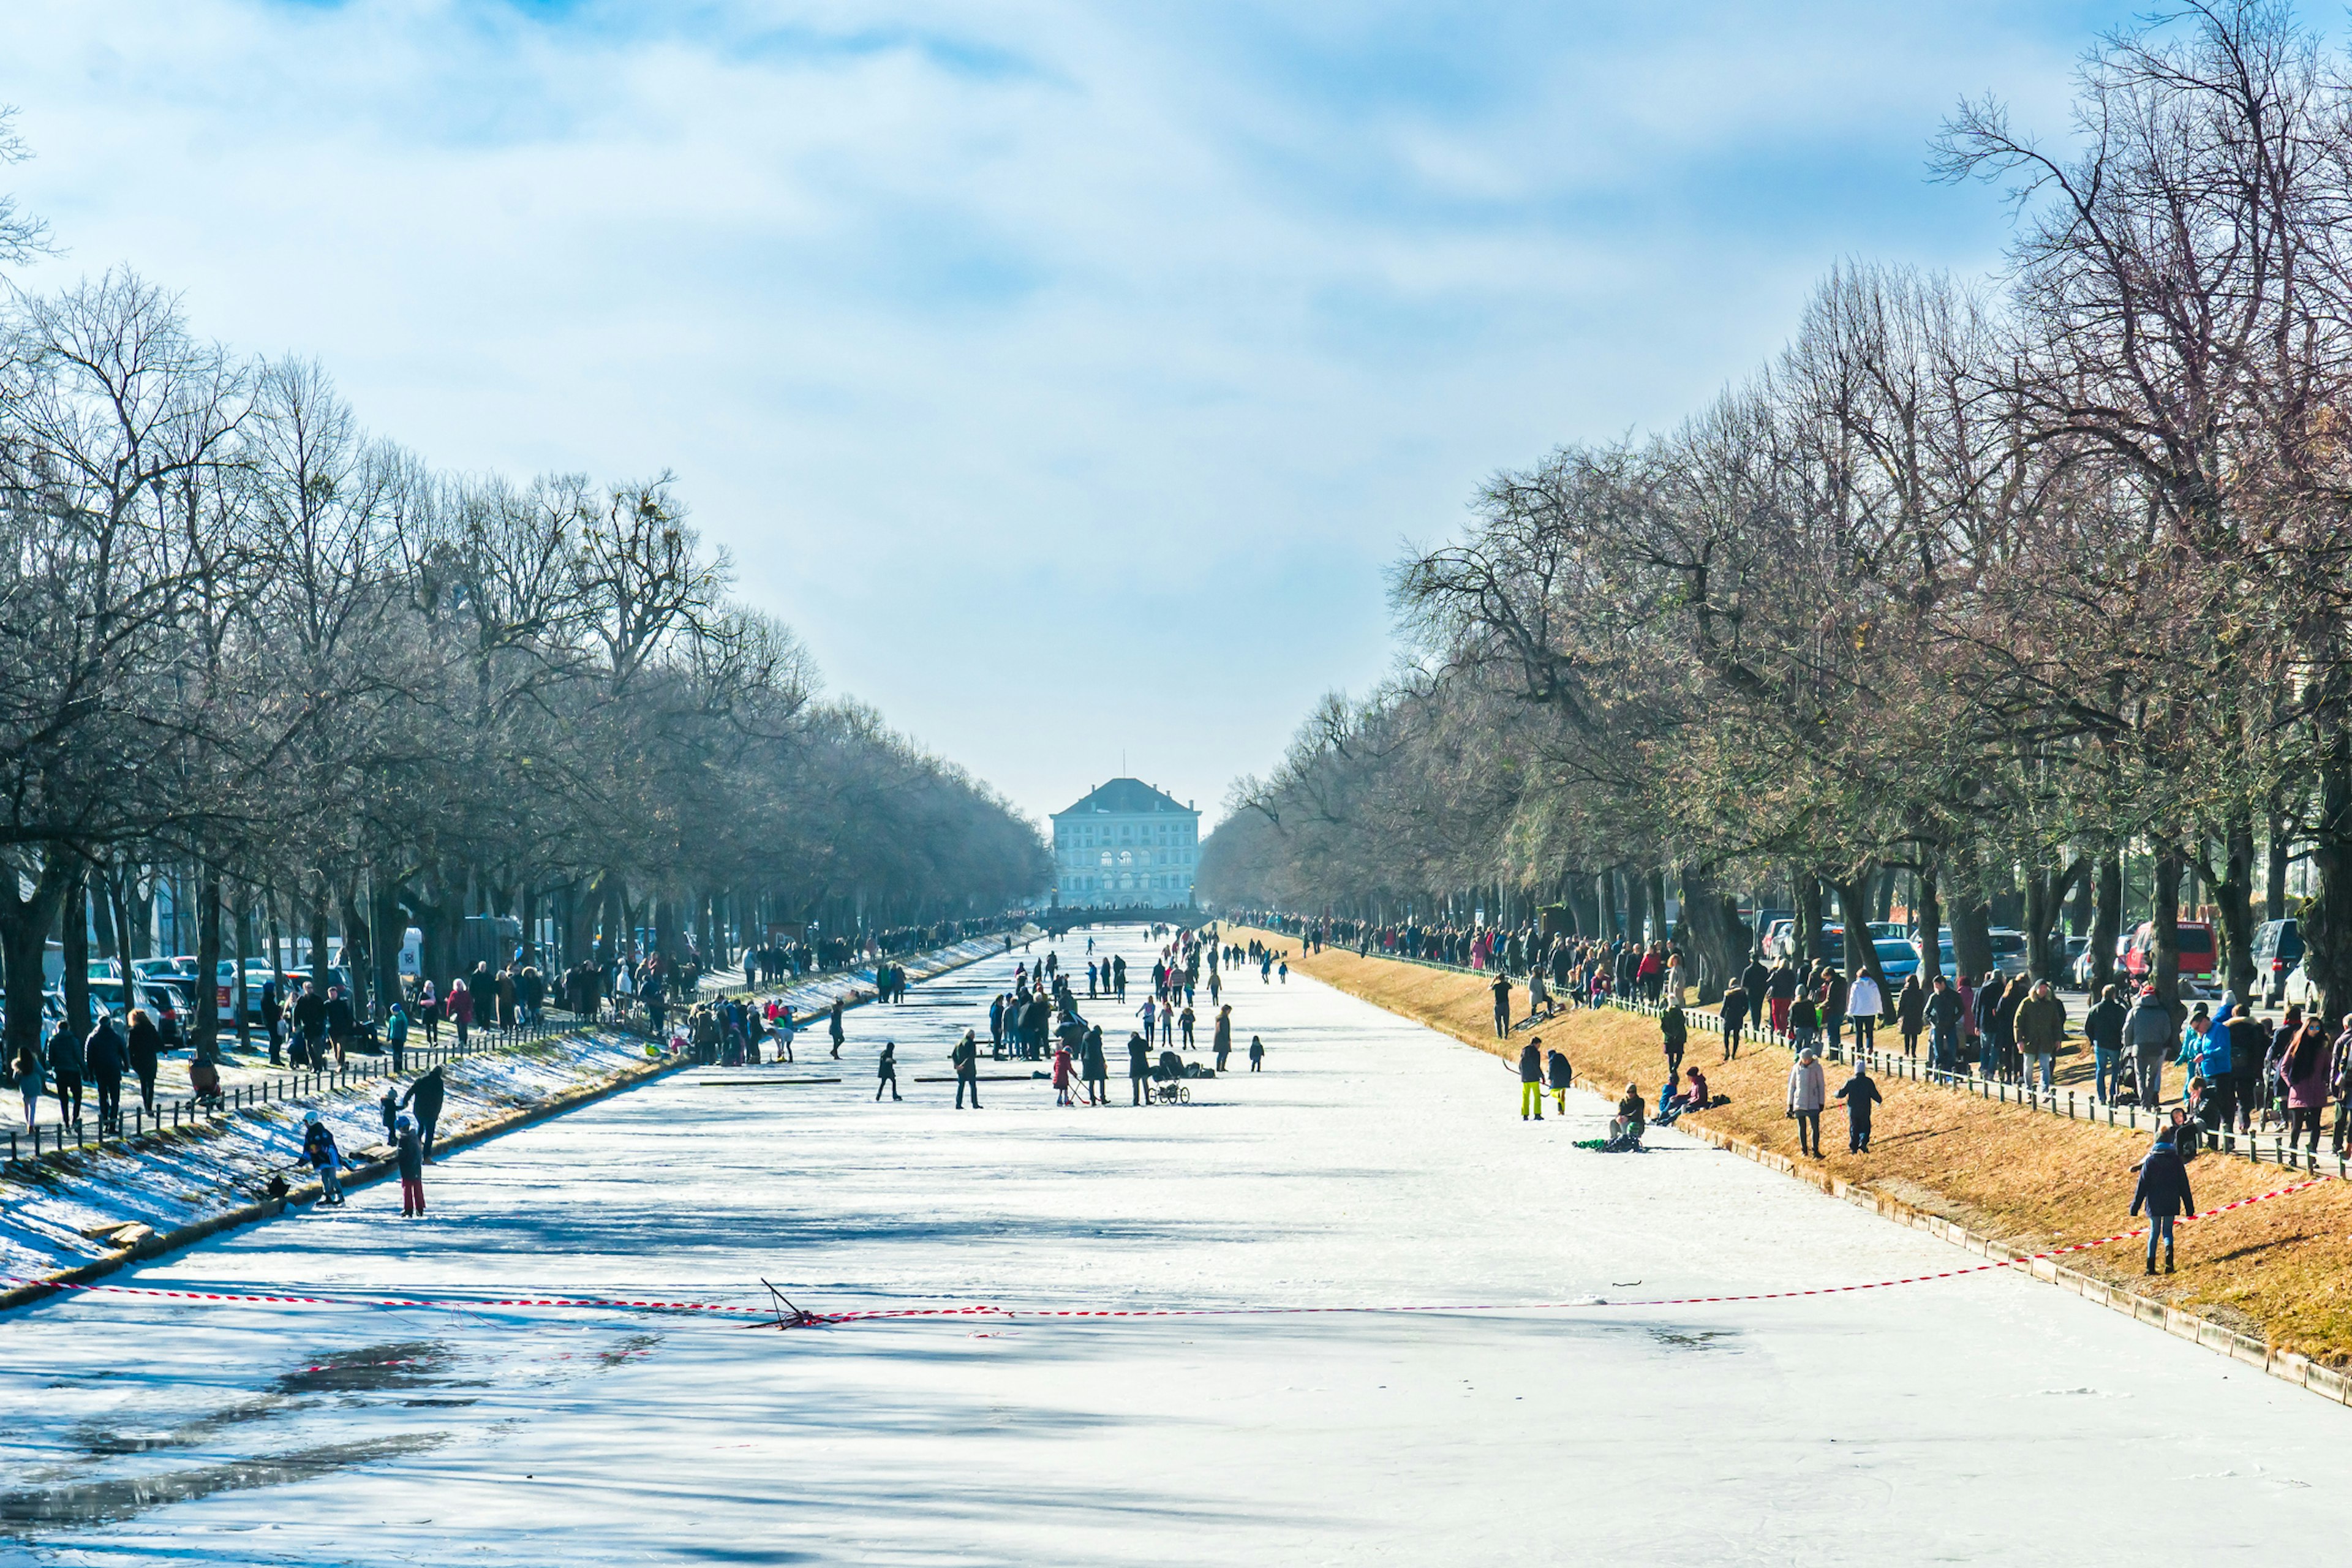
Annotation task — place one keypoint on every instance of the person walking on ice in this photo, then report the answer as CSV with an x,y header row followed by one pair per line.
x,y
425,1097
1258,1053
1531,1084
886,1071
2164,1190
838,1033
1225,1035
1139,1064
1094,1071
409,1152
1808,1092
1860,1092
967,1069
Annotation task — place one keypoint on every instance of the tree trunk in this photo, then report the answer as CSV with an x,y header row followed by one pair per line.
x,y
316,965
24,923
205,1025
1927,920
2274,866
2328,915
1971,927
1810,942
74,939
1861,953
1637,904
237,997
390,936
1715,931
2106,919
2233,899
2167,921
2046,889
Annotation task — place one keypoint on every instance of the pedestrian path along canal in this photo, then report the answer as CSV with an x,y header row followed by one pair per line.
x,y
1373,1163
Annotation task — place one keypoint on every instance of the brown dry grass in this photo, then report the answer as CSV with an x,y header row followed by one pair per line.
x,y
2278,1269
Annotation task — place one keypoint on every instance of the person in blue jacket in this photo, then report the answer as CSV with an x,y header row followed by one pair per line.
x,y
318,1149
2164,1190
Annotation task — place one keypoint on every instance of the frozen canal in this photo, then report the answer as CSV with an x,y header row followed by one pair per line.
x,y
1985,1419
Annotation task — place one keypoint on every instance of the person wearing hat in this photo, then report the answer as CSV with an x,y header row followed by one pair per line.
x,y
410,1147
1626,1127
1808,1093
318,1149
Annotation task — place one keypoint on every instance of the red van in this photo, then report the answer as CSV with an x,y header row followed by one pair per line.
x,y
2196,953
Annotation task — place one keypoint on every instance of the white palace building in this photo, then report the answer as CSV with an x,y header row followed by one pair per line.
x,y
1125,843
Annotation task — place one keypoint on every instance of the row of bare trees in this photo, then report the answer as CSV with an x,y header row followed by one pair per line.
x,y
2024,576
248,650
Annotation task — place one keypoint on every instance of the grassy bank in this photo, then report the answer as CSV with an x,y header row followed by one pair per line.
x,y
2278,1270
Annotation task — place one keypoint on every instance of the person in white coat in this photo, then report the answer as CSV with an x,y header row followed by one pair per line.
x,y
1809,1090
1864,1003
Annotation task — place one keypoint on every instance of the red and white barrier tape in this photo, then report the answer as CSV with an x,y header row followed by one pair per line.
x,y
813,1320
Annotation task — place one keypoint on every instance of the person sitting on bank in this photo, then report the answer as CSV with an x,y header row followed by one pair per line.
x,y
1626,1127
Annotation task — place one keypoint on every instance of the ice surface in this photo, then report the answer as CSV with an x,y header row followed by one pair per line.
x,y
1988,1418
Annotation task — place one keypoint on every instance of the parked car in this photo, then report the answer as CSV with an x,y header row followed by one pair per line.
x,y
2278,953
2011,954
162,1001
1881,929
1897,959
256,971
2196,942
2297,991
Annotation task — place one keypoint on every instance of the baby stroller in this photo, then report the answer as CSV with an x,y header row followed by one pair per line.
x,y
1167,1080
204,1078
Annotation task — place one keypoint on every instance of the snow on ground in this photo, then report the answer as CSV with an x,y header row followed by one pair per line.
x,y
1988,1418
53,1217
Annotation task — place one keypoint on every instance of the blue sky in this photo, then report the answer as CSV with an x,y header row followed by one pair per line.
x,y
1067,375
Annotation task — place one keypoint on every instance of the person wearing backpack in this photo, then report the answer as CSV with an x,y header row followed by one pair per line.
x,y
396,1036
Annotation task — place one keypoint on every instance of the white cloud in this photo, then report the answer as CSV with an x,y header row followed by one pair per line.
x,y
1038,362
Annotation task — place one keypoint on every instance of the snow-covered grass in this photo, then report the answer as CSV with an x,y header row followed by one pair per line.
x,y
1375,1162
